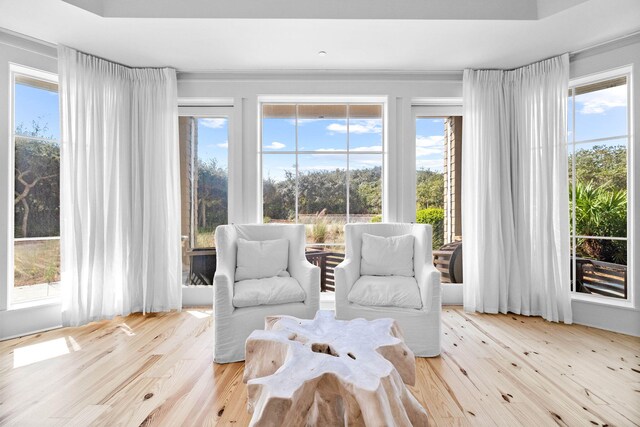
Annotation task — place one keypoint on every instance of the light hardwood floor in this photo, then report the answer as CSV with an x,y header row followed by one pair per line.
x,y
157,370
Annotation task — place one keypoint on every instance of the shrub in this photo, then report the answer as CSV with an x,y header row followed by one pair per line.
x,y
319,232
434,217
601,212
376,218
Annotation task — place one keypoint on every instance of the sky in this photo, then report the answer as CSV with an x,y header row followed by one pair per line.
x,y
598,114
34,104
321,137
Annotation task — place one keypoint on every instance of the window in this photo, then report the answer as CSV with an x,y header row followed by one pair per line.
x,y
204,147
598,141
322,166
36,162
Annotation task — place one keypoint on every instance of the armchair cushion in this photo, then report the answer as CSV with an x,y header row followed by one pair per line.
x,y
260,259
267,291
386,291
387,256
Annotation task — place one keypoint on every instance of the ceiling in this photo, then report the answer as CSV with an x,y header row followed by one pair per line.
x,y
363,35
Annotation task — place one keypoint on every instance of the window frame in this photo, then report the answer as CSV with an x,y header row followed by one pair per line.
x,y
625,71
324,100
46,76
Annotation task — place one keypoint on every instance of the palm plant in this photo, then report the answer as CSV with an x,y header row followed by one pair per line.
x,y
601,212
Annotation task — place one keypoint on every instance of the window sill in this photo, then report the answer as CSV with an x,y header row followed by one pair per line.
x,y
601,300
37,303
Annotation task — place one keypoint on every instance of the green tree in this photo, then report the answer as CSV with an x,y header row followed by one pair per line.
x,y
212,195
429,189
37,182
602,165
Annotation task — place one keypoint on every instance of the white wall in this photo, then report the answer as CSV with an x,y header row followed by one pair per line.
x,y
31,54
611,317
242,91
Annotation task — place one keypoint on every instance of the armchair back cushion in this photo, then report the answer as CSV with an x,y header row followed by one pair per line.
x,y
259,259
387,256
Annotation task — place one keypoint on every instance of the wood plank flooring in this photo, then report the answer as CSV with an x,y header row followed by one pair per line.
x,y
157,370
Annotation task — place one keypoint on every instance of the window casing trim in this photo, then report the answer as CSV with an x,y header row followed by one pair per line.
x,y
618,72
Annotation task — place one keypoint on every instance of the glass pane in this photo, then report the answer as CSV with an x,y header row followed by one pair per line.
x,y
37,190
570,117
279,188
429,163
279,127
601,113
322,196
365,127
36,270
601,267
322,127
365,188
430,175
601,189
210,179
36,108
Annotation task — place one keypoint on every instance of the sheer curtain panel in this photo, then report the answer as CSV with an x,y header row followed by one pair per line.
x,y
515,212
120,199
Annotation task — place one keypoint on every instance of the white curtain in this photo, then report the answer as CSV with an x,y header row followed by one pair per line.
x,y
515,208
120,196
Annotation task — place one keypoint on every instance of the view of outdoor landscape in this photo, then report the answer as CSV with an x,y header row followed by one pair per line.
x,y
37,190
210,179
598,138
430,175
322,165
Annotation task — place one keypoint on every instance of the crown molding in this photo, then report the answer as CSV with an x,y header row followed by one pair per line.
x,y
28,43
323,75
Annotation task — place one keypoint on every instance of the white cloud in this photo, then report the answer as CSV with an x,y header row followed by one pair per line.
x,y
275,145
223,144
213,123
357,127
429,145
371,148
421,151
600,101
429,141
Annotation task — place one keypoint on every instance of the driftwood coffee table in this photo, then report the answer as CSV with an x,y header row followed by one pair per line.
x,y
327,372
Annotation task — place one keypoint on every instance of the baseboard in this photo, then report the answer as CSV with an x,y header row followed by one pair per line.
x,y
452,294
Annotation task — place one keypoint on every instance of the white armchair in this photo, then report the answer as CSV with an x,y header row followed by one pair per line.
x,y
421,327
232,324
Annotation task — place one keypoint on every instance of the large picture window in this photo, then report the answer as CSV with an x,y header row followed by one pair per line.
x,y
322,166
36,163
598,141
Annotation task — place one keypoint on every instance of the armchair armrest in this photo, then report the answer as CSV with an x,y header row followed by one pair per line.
x,y
346,273
308,276
222,294
430,287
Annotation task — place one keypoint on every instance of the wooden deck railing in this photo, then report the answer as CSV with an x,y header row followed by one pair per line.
x,y
327,261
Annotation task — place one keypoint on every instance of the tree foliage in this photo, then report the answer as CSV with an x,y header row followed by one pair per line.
x,y
602,165
429,189
37,183
601,212
212,205
324,191
434,217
